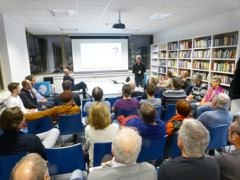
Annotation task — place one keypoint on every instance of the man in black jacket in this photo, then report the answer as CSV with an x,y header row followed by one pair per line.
x,y
27,97
139,70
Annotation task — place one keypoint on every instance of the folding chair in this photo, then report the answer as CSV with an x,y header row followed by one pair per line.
x,y
39,125
127,113
170,112
99,151
159,111
84,101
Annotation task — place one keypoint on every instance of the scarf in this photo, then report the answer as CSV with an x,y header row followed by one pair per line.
x,y
209,93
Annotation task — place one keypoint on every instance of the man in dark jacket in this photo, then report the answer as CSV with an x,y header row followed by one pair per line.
x,y
139,70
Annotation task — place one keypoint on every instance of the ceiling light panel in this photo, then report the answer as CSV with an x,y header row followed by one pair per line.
x,y
159,16
63,13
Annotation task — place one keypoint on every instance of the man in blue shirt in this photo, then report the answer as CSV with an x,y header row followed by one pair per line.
x,y
219,115
148,126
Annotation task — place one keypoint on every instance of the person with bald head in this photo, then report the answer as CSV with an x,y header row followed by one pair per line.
x,y
75,87
135,93
29,101
126,146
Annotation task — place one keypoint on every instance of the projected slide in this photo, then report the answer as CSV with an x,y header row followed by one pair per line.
x,y
99,54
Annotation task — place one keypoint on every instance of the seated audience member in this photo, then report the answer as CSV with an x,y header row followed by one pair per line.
x,y
229,162
135,93
158,91
151,88
193,139
172,96
126,147
97,94
67,86
127,103
183,109
14,100
220,114
166,83
205,104
198,91
28,101
100,128
185,81
48,102
33,167
13,141
75,87
148,126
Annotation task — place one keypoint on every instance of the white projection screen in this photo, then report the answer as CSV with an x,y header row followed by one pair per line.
x,y
100,54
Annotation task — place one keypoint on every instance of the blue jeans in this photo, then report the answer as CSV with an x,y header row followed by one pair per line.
x,y
78,175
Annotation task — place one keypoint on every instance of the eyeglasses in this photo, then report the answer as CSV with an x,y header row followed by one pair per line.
x,y
213,81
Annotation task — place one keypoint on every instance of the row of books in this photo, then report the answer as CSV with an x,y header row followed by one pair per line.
x,y
185,54
184,64
181,70
162,62
225,41
224,67
186,45
154,68
174,71
173,46
172,55
172,63
201,54
224,53
202,43
162,70
154,62
201,65
162,55
205,75
226,79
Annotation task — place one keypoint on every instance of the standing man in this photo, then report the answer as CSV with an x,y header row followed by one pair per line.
x,y
139,70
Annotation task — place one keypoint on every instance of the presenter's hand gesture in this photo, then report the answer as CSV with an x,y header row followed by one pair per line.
x,y
139,72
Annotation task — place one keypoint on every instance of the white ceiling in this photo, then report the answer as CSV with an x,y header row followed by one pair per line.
x,y
98,16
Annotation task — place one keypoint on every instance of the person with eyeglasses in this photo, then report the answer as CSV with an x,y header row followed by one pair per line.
x,y
205,104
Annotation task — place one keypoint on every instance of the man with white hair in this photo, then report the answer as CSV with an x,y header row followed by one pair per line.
x,y
193,139
139,70
126,146
220,114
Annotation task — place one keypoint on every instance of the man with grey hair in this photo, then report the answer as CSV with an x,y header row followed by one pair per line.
x,y
135,92
220,114
126,146
139,70
198,91
193,139
229,162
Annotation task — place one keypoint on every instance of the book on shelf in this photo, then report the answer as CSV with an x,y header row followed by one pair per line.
x,y
201,54
174,71
204,65
162,62
224,53
173,46
181,70
205,75
184,64
162,70
172,54
202,43
186,45
172,63
224,67
185,54
225,79
225,41
161,54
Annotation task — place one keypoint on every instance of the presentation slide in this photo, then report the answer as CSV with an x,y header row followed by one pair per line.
x,y
99,54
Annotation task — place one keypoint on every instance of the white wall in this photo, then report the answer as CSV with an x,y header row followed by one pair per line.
x,y
217,24
13,50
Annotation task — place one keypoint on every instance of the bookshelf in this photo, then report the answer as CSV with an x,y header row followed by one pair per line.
x,y
210,55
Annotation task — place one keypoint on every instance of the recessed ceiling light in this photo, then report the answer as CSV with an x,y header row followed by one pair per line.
x,y
158,16
69,29
63,13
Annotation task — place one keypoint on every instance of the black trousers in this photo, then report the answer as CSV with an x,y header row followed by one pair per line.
x,y
79,86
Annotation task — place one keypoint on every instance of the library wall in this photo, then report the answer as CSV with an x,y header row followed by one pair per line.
x,y
217,24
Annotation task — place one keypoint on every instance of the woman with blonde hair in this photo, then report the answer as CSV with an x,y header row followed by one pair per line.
x,y
100,128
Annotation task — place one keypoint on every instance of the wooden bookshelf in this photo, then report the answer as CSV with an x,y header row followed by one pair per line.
x,y
210,55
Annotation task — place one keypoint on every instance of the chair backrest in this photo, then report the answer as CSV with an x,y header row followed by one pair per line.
x,y
175,150
188,90
159,111
152,149
157,96
112,100
7,163
84,101
127,113
39,125
218,137
139,98
99,151
70,124
170,112
65,159
1,132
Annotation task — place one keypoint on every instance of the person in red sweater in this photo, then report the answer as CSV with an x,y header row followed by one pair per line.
x,y
183,108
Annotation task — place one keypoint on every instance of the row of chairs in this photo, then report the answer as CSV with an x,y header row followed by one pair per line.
x,y
67,159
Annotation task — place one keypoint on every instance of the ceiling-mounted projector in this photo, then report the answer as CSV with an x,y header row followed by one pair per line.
x,y
119,25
